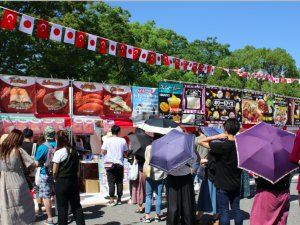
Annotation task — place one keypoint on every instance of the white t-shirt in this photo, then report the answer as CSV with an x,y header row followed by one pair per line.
x,y
60,155
115,147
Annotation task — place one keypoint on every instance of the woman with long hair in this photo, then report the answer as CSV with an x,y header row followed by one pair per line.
x,y
16,205
65,167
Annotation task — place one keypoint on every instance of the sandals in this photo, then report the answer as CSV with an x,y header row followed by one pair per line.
x,y
145,220
139,211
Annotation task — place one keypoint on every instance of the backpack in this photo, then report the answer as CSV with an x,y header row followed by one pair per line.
x,y
49,164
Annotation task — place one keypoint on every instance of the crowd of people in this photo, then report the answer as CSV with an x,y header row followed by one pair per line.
x,y
49,168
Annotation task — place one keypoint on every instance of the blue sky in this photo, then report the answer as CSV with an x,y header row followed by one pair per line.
x,y
261,24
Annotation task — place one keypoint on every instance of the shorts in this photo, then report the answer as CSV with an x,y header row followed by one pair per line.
x,y
46,186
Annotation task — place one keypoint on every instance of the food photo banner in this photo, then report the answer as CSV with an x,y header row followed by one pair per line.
x,y
169,98
293,112
222,103
87,99
193,105
17,94
52,96
144,103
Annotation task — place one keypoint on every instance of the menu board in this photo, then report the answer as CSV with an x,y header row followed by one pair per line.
x,y
169,98
222,103
52,96
258,107
117,101
17,94
193,106
88,99
144,103
293,111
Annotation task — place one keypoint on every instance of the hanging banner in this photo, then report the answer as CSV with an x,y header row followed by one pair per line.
x,y
280,110
117,101
88,98
293,111
52,96
193,105
169,98
144,103
17,94
222,103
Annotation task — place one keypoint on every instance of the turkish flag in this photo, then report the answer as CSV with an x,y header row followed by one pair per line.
x,y
208,68
42,29
166,60
151,58
112,47
69,36
158,59
143,56
103,45
56,32
129,52
200,68
195,66
80,38
92,42
185,63
177,63
122,52
26,24
136,53
9,20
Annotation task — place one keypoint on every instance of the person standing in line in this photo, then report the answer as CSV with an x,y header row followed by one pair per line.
x,y
228,175
16,204
115,148
295,158
46,180
65,168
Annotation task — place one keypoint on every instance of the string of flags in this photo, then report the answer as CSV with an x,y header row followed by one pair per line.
x,y
55,32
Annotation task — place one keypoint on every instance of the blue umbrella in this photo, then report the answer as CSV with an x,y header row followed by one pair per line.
x,y
212,131
172,151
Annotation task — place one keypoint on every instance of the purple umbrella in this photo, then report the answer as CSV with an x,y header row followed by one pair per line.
x,y
265,150
172,151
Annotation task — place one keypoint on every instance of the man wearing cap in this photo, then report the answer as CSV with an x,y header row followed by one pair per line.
x,y
45,178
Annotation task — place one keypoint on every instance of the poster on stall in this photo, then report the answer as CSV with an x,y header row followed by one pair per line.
x,y
263,107
87,98
52,96
144,103
169,99
17,94
193,107
293,112
117,101
222,103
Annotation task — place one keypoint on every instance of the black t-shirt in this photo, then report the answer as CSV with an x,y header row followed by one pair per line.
x,y
282,185
27,146
228,175
211,166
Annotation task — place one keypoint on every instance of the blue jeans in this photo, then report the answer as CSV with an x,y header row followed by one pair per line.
x,y
151,186
224,198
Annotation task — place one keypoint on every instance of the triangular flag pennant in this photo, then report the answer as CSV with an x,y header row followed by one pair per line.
x,y
190,65
9,20
26,24
177,63
42,29
80,38
171,62
103,47
151,58
129,52
166,60
92,41
56,32
143,56
69,36
200,68
112,47
195,67
158,59
212,70
122,52
136,53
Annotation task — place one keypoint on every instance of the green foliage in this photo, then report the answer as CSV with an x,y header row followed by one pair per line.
x,y
24,54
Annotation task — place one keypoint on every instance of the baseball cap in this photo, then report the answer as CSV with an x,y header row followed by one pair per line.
x,y
49,132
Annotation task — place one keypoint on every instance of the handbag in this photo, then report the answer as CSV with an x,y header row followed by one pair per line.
x,y
133,171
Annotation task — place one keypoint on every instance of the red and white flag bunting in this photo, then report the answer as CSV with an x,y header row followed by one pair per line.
x,y
92,40
151,58
136,53
158,59
112,47
56,32
190,65
122,52
26,24
212,70
80,39
129,52
143,56
42,29
171,62
103,46
69,36
9,20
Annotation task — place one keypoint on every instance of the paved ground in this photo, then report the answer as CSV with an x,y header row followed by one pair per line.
x,y
124,214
